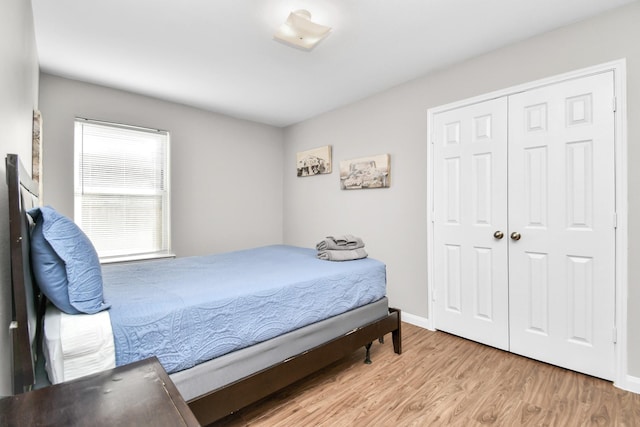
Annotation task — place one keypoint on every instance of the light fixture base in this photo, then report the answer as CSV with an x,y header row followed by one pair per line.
x,y
300,31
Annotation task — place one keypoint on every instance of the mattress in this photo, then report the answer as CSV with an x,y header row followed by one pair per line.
x,y
205,307
231,367
80,359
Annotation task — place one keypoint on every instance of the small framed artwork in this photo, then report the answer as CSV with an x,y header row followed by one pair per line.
x,y
36,146
314,162
365,172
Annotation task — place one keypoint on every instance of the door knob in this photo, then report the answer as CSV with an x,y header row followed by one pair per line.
x,y
498,235
515,235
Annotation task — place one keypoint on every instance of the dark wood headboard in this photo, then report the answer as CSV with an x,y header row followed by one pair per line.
x,y
23,195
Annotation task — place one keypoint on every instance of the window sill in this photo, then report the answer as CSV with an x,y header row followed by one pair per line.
x,y
131,258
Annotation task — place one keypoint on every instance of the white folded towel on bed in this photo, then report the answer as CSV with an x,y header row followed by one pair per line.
x,y
346,242
342,255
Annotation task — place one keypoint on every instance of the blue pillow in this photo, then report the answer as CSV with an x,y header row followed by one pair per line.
x,y
65,263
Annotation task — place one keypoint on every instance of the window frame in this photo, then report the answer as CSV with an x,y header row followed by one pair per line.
x,y
166,250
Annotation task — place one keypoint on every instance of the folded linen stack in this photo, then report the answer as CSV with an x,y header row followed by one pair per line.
x,y
341,248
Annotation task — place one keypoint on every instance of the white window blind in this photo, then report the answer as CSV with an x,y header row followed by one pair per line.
x,y
122,189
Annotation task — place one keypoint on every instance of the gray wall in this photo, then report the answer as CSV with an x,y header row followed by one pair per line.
x,y
18,99
226,174
393,221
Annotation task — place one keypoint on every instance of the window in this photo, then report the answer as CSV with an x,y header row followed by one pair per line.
x,y
122,189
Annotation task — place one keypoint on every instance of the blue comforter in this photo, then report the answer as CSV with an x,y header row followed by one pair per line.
x,y
188,310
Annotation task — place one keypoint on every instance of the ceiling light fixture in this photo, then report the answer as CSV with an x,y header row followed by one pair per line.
x,y
300,31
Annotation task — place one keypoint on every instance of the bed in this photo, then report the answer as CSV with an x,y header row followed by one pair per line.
x,y
281,350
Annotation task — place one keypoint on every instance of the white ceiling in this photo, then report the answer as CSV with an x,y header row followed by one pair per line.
x,y
220,55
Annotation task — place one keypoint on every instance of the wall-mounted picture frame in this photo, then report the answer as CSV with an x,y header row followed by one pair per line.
x,y
366,172
314,162
36,146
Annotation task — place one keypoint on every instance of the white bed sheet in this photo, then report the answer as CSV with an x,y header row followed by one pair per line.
x,y
77,345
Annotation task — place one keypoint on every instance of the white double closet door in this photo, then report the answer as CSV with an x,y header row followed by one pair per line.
x,y
524,223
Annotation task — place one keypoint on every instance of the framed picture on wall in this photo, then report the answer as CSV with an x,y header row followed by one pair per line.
x,y
365,172
314,162
36,145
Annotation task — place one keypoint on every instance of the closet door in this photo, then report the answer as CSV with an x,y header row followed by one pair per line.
x,y
470,220
561,224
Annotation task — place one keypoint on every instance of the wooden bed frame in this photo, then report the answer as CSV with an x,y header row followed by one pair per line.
x,y
28,307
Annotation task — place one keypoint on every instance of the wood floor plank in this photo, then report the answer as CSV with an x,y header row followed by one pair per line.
x,y
441,379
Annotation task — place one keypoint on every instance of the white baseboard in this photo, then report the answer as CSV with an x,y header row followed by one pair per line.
x,y
629,383
423,322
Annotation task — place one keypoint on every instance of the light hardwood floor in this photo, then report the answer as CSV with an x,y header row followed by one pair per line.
x,y
441,379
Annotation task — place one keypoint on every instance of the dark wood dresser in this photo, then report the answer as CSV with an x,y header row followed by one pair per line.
x,y
139,394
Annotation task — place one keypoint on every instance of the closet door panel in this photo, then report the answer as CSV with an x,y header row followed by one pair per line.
x,y
470,190
562,204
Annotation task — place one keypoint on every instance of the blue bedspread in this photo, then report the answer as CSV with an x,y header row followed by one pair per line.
x,y
189,310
